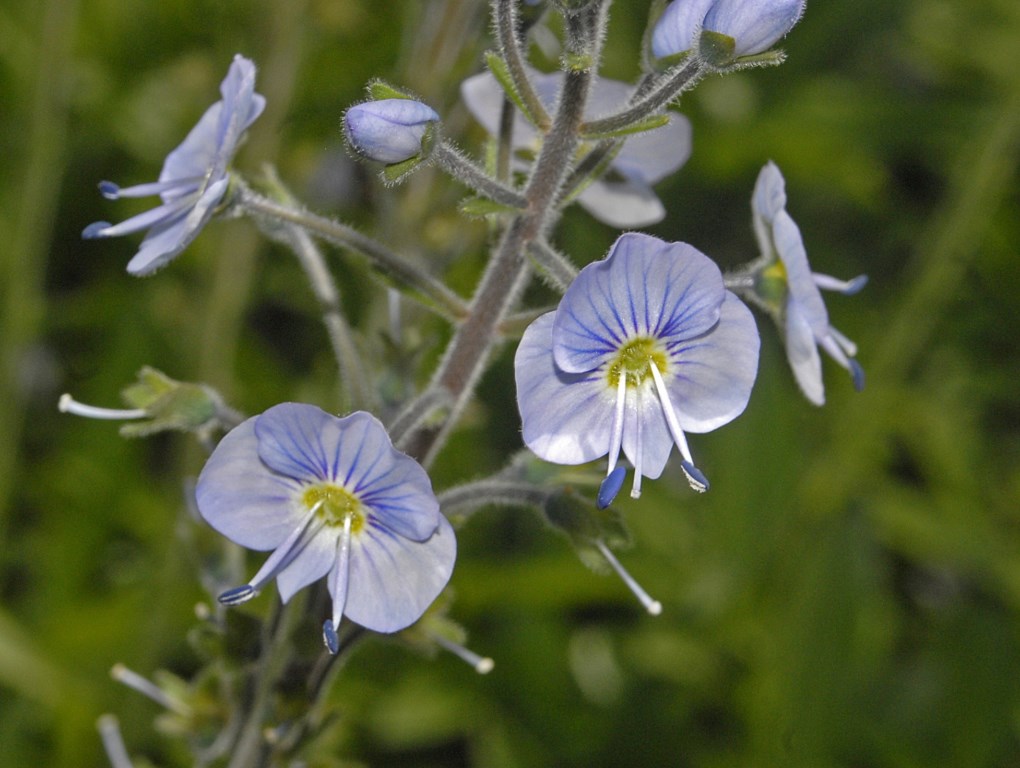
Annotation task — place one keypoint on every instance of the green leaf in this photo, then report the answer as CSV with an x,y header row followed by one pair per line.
x,y
646,124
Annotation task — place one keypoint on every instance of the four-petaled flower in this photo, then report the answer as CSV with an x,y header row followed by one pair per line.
x,y
785,285
330,496
194,176
645,345
623,197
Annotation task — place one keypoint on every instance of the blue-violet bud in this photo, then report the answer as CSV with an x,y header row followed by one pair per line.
x,y
389,130
754,25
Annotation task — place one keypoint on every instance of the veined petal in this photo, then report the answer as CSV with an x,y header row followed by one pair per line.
x,y
394,488
650,439
711,376
163,243
678,27
799,279
802,352
644,287
194,156
393,580
311,564
306,443
567,418
300,441
244,499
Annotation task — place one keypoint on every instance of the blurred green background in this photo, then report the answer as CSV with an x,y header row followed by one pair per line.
x,y
848,594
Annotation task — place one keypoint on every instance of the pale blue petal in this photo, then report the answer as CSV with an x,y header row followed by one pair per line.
x,y
755,25
242,498
566,418
306,443
393,580
300,441
653,155
799,279
622,204
310,565
388,131
644,288
392,485
164,242
711,376
802,352
195,155
677,29
656,441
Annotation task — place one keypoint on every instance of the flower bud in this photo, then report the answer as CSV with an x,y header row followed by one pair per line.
x,y
677,29
389,131
754,25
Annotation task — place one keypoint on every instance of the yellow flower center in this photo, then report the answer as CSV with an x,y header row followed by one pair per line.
x,y
634,360
335,504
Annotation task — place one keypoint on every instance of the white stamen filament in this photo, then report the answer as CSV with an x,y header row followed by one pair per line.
x,y
616,438
667,410
284,554
149,689
846,287
113,742
112,191
483,665
654,607
340,577
635,489
68,404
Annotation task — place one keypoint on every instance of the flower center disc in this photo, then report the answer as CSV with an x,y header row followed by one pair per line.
x,y
634,360
336,504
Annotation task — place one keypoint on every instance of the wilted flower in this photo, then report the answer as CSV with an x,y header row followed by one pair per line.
x,y
645,345
388,130
194,176
785,284
753,25
331,496
623,197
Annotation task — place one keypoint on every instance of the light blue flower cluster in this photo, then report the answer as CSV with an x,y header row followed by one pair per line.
x,y
753,25
645,346
331,497
623,197
194,178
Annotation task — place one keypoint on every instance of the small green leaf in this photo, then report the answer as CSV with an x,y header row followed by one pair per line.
x,y
395,172
482,206
499,70
646,124
380,89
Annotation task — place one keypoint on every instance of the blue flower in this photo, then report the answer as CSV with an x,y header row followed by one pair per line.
x,y
645,345
194,176
785,285
331,497
754,25
624,196
388,130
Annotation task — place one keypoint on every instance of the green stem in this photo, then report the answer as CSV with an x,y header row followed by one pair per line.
x,y
433,293
510,47
682,78
469,174
507,272
352,378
